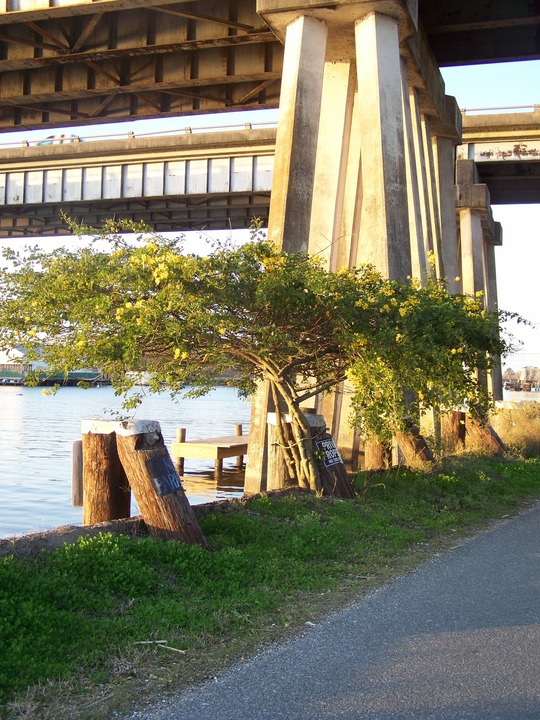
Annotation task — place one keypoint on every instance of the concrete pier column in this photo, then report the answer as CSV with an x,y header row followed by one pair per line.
x,y
384,224
292,189
422,180
297,132
328,236
332,234
444,155
495,377
472,251
433,198
416,220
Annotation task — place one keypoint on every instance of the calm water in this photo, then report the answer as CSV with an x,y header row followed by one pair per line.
x,y
37,433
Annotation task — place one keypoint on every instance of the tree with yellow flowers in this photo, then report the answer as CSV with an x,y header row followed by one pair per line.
x,y
145,305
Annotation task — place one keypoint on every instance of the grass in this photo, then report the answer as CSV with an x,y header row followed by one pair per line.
x,y
110,622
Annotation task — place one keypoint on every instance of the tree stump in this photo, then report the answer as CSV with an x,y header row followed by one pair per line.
x,y
156,483
106,491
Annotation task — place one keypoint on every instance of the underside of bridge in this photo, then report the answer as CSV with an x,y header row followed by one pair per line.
x,y
203,213
65,64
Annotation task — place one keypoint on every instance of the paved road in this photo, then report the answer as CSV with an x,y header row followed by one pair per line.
x,y
458,638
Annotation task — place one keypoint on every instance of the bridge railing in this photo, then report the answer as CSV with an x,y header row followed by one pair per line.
x,y
66,138
504,108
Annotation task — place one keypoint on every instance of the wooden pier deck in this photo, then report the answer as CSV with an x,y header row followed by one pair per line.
x,y
213,448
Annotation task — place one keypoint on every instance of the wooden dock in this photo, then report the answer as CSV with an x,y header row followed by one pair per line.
x,y
215,448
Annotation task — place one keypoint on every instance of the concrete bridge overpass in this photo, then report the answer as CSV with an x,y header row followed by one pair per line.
x,y
180,182
220,179
506,150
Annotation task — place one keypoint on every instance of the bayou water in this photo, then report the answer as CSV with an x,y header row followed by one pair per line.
x,y
37,432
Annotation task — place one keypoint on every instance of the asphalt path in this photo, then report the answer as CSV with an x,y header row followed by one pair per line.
x,y
457,638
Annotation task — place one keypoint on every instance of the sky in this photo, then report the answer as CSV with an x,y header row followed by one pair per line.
x,y
505,85
518,259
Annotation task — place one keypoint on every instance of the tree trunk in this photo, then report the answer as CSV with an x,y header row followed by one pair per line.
x,y
106,491
155,483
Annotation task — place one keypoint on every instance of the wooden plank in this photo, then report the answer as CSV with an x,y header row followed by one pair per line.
x,y
211,448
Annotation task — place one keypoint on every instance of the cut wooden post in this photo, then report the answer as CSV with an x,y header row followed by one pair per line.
x,y
452,430
483,436
77,474
334,477
413,446
377,456
240,458
106,491
155,482
180,437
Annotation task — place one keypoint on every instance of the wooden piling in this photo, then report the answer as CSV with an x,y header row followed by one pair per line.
x,y
77,474
155,482
483,436
377,456
180,437
106,491
413,446
452,431
240,459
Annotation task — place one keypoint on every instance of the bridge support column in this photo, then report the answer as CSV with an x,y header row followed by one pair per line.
x,y
330,234
444,162
433,198
495,378
296,140
422,182
333,233
384,222
292,189
413,168
472,251
341,167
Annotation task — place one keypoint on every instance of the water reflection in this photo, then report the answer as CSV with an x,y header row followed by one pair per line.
x,y
205,487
